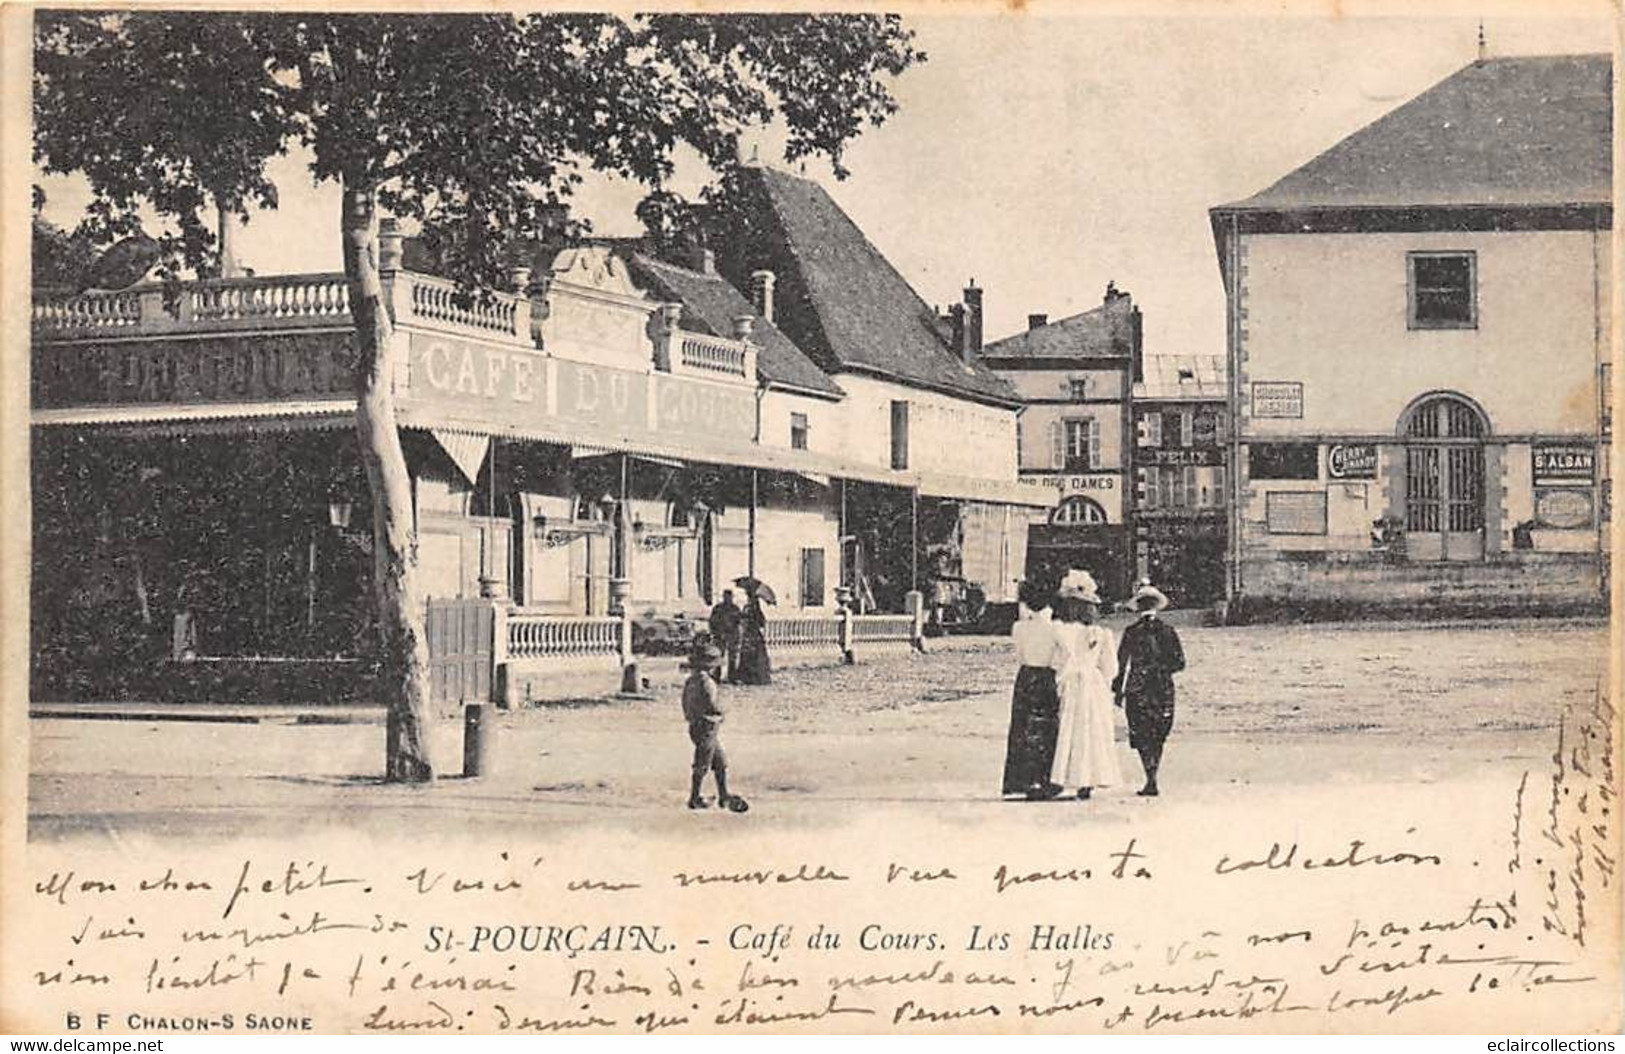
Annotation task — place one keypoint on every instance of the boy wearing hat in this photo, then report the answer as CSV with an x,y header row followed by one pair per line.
x,y
702,709
1147,660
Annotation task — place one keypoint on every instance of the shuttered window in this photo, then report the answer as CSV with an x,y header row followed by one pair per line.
x,y
1076,444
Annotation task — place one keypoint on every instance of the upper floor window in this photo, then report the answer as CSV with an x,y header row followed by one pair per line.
x,y
1150,428
1205,427
798,431
899,434
1079,388
1443,290
1078,444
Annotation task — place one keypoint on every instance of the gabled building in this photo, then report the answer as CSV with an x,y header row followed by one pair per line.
x,y
1180,476
916,401
1418,351
1075,377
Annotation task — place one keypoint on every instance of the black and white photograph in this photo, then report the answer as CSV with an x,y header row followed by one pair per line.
x,y
923,519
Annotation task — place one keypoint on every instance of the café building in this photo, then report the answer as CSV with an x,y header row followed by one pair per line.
x,y
630,435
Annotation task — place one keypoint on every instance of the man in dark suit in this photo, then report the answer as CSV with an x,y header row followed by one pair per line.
x,y
725,629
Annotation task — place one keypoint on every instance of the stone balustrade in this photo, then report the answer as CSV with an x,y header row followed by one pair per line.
x,y
532,635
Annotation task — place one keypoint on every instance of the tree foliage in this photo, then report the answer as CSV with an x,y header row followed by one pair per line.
x,y
479,125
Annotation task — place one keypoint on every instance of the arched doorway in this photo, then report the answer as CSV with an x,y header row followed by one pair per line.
x,y
1444,478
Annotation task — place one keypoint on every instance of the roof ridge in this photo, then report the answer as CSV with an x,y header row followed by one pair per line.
x,y
925,316
781,227
1443,144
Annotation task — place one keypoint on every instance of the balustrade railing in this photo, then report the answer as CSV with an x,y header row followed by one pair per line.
x,y
710,354
877,629
272,302
88,311
321,297
537,636
437,300
809,631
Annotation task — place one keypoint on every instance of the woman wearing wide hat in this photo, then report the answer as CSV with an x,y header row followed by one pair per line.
x,y
1035,705
1085,751
1147,660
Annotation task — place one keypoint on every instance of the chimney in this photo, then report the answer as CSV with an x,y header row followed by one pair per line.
x,y
957,335
1037,321
1137,343
973,322
761,293
705,261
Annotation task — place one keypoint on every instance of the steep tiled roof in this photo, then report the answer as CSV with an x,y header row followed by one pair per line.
x,y
1504,131
1103,332
837,297
710,304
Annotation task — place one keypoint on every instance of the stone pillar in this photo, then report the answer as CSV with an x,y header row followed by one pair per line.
x,y
914,604
664,333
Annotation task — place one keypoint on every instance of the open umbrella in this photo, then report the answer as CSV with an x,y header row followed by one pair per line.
x,y
757,588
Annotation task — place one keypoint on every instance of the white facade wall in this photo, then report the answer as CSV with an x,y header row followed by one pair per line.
x,y
1329,311
950,435
825,421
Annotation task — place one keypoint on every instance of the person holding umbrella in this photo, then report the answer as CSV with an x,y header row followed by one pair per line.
x,y
754,665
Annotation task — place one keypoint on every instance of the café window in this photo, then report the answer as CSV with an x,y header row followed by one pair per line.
x,y
899,434
812,578
1283,461
798,431
1077,444
1443,290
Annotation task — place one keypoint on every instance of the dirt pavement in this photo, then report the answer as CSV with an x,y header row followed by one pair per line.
x,y
1313,706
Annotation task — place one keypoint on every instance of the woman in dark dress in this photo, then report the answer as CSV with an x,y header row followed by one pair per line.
x,y
754,665
1035,705
1147,659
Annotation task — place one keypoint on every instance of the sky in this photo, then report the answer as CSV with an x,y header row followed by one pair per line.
x,y
1044,155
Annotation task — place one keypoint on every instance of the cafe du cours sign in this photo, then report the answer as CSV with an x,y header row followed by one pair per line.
x,y
475,382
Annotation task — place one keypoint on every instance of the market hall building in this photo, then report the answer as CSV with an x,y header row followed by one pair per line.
x,y
630,435
1419,354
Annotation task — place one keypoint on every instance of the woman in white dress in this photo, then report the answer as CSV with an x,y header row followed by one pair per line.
x,y
1085,750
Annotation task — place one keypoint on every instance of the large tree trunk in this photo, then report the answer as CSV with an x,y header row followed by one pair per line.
x,y
403,650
